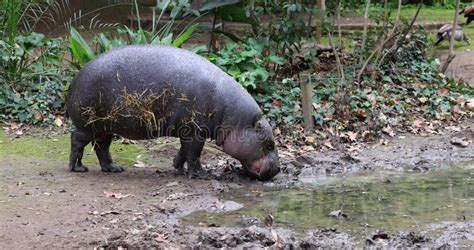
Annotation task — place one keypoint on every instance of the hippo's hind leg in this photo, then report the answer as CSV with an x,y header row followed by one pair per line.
x,y
79,139
179,161
190,153
102,150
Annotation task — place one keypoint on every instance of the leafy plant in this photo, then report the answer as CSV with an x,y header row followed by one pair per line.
x,y
32,87
249,63
282,105
82,52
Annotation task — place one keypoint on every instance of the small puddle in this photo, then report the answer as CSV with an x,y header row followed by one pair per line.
x,y
389,202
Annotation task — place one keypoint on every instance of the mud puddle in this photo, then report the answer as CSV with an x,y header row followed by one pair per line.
x,y
358,205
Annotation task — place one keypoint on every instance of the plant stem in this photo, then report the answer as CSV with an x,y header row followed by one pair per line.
x,y
451,40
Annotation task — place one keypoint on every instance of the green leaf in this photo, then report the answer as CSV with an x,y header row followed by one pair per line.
x,y
185,35
35,38
234,13
277,59
79,47
212,4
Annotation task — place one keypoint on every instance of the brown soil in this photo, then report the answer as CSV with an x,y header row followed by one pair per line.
x,y
43,205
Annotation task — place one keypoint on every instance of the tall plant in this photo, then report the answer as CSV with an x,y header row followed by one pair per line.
x,y
168,34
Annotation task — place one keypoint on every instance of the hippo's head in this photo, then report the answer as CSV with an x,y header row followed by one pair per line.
x,y
254,147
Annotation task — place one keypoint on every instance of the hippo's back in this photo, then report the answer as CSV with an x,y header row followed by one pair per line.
x,y
177,81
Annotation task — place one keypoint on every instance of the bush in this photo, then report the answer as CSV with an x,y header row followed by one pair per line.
x,y
34,78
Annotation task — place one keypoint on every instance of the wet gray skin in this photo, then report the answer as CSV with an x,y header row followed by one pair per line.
x,y
143,92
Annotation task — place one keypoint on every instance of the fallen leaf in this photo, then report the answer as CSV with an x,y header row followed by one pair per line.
x,y
417,123
58,121
461,100
339,213
269,220
454,128
309,139
470,104
125,141
276,131
139,164
316,106
457,110
460,142
162,238
115,195
328,144
443,91
37,115
109,212
389,131
172,184
352,136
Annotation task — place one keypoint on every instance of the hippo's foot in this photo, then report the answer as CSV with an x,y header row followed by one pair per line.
x,y
112,168
178,162
199,174
79,168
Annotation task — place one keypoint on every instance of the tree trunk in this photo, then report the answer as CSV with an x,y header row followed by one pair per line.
x,y
320,14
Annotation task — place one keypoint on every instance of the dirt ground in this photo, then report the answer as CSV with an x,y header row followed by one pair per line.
x,y
43,205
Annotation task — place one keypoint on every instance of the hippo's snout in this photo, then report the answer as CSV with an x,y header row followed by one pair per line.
x,y
265,168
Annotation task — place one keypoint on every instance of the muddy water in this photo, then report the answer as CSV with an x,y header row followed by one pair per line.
x,y
388,202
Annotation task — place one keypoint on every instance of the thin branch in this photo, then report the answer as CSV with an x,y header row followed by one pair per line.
x,y
402,39
451,41
338,14
338,60
366,23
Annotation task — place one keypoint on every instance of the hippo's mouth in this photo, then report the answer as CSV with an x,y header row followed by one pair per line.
x,y
264,169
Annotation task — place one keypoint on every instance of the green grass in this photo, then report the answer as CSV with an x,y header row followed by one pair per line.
x,y
57,148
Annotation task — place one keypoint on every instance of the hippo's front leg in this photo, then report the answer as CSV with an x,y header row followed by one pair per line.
x,y
102,150
190,152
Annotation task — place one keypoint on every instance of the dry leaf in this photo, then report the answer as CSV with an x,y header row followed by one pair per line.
x,y
37,115
470,104
276,131
58,121
328,144
115,195
139,164
389,131
457,110
125,141
443,91
460,142
309,139
454,128
461,100
417,123
352,136
162,238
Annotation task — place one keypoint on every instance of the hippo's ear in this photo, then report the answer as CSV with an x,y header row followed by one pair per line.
x,y
256,122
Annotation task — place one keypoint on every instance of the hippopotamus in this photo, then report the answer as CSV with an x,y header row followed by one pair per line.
x,y
147,91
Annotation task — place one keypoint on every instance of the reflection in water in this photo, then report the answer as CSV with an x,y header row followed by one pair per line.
x,y
405,202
